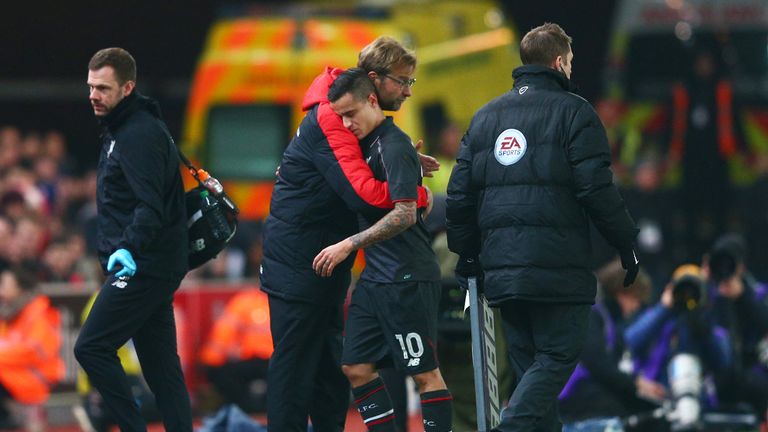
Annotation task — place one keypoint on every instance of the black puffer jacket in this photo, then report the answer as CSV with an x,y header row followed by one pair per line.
x,y
140,196
533,167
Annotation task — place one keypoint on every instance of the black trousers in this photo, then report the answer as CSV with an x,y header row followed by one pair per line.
x,y
139,308
544,341
304,378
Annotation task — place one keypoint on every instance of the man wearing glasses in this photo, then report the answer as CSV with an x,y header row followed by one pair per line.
x,y
322,183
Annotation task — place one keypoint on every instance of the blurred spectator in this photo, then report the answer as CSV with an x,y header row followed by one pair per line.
x,y
30,149
23,181
444,150
703,140
678,324
739,304
254,254
29,241
86,214
64,261
237,351
249,240
12,205
59,264
661,240
605,384
6,232
87,266
46,171
55,147
10,142
42,199
30,341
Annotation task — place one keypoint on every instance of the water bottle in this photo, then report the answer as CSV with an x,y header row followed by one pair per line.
x,y
210,183
213,185
216,189
215,217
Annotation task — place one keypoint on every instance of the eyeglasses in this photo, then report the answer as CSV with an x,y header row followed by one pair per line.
x,y
403,83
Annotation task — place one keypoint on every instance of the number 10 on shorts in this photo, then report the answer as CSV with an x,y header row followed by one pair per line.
x,y
412,347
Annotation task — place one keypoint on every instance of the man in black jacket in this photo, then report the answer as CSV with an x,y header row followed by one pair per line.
x,y
322,179
142,247
532,170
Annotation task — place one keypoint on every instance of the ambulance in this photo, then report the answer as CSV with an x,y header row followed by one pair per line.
x,y
245,100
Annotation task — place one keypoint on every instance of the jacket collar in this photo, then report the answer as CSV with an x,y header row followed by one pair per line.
x,y
376,132
129,105
541,76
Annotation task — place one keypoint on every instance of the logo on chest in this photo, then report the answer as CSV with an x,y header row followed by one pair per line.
x,y
510,147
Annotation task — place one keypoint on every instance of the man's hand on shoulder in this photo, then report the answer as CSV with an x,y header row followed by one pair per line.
x,y
428,163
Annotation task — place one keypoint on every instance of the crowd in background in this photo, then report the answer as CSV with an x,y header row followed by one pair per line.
x,y
47,207
48,210
714,311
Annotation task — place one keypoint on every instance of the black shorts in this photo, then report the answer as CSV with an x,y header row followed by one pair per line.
x,y
393,324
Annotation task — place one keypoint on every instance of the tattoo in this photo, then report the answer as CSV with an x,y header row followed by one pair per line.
x,y
393,223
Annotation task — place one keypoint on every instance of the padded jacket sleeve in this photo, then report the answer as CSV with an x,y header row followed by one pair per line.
x,y
351,178
462,201
143,160
590,159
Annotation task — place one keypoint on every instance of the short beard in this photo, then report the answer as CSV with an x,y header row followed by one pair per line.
x,y
393,105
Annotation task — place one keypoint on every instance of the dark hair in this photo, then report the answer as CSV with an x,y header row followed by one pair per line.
x,y
355,81
120,60
543,44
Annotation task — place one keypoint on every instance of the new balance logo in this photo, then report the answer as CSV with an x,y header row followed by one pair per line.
x,y
121,282
414,362
197,245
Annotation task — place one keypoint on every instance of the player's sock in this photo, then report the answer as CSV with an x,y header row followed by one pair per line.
x,y
373,403
436,411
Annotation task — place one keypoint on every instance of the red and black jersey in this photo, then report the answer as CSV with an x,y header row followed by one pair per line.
x,y
408,256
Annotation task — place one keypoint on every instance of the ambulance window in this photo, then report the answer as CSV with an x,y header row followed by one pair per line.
x,y
246,142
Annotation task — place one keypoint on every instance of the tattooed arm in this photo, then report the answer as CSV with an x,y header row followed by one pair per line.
x,y
393,223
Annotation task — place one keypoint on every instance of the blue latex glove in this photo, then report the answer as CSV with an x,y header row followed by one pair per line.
x,y
124,258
